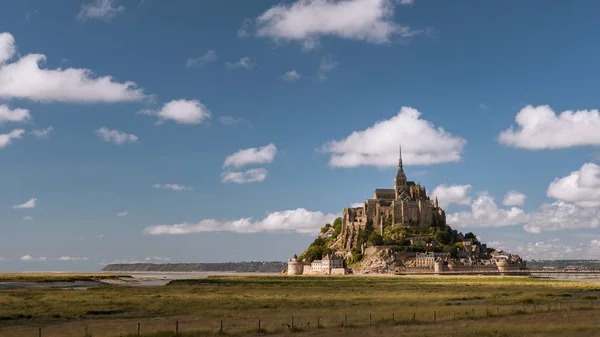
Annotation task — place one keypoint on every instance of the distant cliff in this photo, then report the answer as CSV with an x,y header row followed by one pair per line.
x,y
239,267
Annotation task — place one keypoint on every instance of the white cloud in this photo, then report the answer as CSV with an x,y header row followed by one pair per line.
x,y
29,204
291,76
25,79
16,115
452,194
28,218
244,28
72,259
245,177
326,65
7,47
422,143
208,57
483,107
540,128
557,216
116,136
122,214
104,10
42,133
244,63
181,111
299,221
7,138
562,216
157,259
29,258
254,155
173,187
230,120
357,204
306,21
485,213
581,187
405,2
514,198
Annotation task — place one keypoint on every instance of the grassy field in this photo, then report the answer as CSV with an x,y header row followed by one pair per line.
x,y
57,277
349,306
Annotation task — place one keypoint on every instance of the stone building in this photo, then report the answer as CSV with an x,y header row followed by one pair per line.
x,y
407,204
328,265
427,260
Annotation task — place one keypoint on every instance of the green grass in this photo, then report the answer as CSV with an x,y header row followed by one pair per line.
x,y
200,305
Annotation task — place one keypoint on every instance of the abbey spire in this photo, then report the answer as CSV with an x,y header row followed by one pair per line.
x,y
400,175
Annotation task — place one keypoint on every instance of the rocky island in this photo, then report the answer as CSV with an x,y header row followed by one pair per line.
x,y
398,230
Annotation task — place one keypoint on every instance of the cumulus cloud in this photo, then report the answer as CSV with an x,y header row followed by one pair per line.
x,y
122,214
485,213
7,47
556,216
72,259
581,187
16,115
291,76
357,204
299,221
29,258
181,111
7,138
42,133
172,187
326,65
306,21
28,218
514,198
28,204
540,127
116,136
452,194
422,143
244,177
254,155
24,79
104,10
562,216
209,56
243,63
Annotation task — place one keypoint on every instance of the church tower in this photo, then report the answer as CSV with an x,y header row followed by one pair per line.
x,y
400,181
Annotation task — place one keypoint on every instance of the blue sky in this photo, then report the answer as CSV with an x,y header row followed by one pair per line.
x,y
254,122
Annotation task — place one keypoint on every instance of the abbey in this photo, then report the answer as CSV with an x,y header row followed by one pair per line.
x,y
407,204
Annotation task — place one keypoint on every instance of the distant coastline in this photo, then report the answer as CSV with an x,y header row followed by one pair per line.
x,y
237,267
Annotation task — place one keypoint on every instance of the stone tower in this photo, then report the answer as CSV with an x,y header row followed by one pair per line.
x,y
400,182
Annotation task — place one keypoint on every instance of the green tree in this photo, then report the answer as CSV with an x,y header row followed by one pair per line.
x,y
470,236
452,250
337,227
376,239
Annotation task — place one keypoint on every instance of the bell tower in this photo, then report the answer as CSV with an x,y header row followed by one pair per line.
x,y
400,182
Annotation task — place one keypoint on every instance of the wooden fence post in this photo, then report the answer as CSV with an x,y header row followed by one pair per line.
x,y
414,317
292,322
370,319
472,313
318,322
434,316
40,332
259,325
454,315
86,331
176,328
138,330
393,318
221,327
